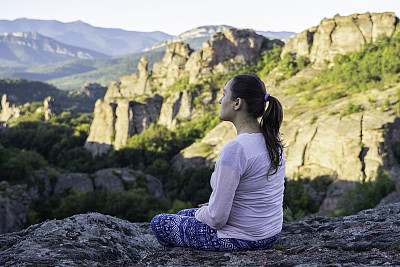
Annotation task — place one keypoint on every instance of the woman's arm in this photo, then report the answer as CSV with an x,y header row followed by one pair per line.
x,y
216,214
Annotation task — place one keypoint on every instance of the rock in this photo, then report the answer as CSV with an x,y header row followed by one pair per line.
x,y
91,90
340,35
14,205
117,119
334,192
121,178
8,113
368,238
391,198
394,176
50,107
109,180
178,106
42,183
77,181
172,66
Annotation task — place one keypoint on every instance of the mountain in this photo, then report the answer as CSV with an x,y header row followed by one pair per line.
x,y
73,74
104,40
30,48
195,37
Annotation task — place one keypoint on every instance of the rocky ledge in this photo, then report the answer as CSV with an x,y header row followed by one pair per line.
x,y
368,238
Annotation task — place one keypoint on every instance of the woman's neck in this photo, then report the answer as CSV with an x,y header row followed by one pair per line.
x,y
248,125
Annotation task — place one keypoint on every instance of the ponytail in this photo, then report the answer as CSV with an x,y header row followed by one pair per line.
x,y
270,124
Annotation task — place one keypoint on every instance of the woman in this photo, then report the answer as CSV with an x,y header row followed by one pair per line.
x,y
245,208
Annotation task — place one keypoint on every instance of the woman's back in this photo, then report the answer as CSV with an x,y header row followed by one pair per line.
x,y
256,211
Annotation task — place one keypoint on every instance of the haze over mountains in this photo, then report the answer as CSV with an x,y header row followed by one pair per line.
x,y
31,48
104,40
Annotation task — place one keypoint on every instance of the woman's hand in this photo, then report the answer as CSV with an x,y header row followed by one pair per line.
x,y
201,205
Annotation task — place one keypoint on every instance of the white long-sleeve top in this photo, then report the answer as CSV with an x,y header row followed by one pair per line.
x,y
245,203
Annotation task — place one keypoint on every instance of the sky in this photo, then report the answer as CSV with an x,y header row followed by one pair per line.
x,y
177,16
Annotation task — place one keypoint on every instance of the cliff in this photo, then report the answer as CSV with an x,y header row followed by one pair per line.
x,y
135,101
369,238
340,35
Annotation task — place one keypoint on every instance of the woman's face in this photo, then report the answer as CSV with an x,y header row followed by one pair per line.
x,y
226,111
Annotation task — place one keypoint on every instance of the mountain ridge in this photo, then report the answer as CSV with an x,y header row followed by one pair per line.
x,y
110,41
32,48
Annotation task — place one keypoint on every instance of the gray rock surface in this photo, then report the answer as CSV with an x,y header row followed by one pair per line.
x,y
370,238
109,180
14,205
77,181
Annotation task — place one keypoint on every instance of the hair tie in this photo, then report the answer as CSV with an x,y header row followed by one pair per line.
x,y
266,97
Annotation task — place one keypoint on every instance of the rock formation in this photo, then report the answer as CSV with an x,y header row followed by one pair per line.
x,y
132,104
8,113
370,238
340,35
49,108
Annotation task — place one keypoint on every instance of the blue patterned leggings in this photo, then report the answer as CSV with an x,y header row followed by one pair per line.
x,y
184,230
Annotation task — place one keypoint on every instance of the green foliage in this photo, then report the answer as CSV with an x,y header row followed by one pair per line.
x,y
313,119
375,65
16,164
350,109
135,204
59,141
296,200
364,195
268,61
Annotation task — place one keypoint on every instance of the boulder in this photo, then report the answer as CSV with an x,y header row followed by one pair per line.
x,y
369,238
77,181
109,180
14,205
121,179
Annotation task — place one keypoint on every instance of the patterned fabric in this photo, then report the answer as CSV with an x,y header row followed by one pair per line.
x,y
183,230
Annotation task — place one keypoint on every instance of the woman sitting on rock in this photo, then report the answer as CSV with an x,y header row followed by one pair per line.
x,y
245,208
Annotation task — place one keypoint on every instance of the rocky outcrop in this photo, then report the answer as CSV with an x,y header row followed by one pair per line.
x,y
14,205
8,112
340,35
131,104
116,119
369,238
49,108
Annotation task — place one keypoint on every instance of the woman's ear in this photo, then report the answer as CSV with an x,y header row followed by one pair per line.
x,y
238,103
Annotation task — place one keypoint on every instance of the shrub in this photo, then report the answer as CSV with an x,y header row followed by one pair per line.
x,y
365,194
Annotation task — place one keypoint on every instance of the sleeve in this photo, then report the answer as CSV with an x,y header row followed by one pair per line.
x,y
229,168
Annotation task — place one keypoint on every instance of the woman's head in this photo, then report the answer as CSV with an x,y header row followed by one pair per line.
x,y
252,90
